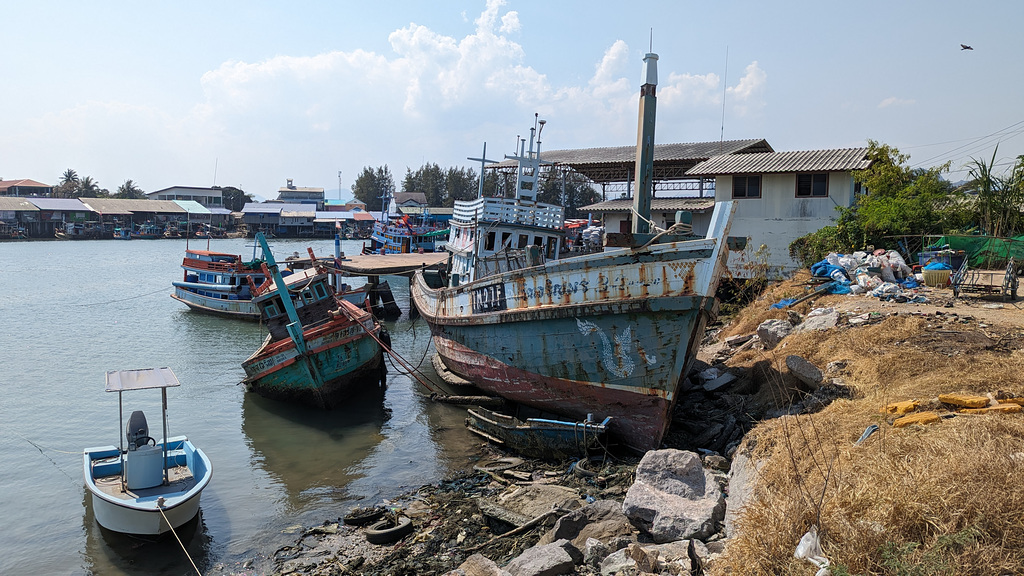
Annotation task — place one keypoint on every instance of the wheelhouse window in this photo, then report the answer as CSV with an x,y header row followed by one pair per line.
x,y
811,185
746,186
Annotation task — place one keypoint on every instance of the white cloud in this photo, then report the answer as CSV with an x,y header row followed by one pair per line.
x,y
894,101
747,97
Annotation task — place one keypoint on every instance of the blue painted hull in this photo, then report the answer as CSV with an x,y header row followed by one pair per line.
x,y
347,359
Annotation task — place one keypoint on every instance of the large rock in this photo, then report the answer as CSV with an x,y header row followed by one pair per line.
x,y
771,332
819,319
743,476
477,565
676,558
559,557
804,371
602,520
674,497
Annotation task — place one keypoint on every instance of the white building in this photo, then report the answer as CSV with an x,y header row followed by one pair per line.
x,y
781,196
209,197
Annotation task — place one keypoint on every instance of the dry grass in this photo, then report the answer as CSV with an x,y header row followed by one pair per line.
x,y
945,498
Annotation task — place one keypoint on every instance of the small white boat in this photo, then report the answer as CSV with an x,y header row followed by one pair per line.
x,y
148,487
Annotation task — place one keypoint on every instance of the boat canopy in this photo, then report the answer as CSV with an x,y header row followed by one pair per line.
x,y
144,379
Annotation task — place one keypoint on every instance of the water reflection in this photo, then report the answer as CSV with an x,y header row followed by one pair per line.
x,y
314,453
108,552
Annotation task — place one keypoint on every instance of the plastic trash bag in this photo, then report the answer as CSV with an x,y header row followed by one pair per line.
x,y
809,549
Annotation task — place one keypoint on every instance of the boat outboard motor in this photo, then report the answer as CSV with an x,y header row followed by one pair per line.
x,y
137,430
143,464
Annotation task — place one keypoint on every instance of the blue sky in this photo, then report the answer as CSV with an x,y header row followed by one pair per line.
x,y
250,93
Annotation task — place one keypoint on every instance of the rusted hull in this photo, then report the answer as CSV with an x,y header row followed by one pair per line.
x,y
608,334
346,357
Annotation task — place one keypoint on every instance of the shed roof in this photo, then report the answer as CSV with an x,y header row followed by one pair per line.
x,y
192,207
59,204
131,206
273,207
17,204
657,205
616,164
836,160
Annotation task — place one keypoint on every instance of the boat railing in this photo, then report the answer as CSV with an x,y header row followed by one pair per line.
x,y
211,266
509,210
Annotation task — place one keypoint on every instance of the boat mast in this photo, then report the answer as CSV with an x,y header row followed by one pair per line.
x,y
645,147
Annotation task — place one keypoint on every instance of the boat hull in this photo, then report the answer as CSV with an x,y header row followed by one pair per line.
x,y
609,334
138,512
347,358
242,309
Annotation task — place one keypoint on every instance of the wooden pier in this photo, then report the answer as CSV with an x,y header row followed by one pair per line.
x,y
390,264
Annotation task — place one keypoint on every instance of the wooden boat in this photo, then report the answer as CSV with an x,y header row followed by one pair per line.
x,y
610,332
320,348
147,231
91,230
122,233
538,437
219,283
148,487
404,236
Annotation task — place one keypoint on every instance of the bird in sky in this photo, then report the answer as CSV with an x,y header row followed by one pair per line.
x,y
965,47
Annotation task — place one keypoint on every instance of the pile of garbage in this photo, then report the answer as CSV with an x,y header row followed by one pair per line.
x,y
882,274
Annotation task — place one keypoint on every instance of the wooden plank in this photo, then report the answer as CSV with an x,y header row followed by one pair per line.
x,y
390,264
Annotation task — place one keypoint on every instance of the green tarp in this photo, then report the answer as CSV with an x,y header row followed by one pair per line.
x,y
985,251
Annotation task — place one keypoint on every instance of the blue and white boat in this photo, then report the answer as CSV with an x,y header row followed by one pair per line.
x,y
147,487
219,283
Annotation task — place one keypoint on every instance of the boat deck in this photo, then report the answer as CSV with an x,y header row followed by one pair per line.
x,y
390,264
180,477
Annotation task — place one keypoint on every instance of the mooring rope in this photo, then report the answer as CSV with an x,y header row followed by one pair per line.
x,y
123,299
160,506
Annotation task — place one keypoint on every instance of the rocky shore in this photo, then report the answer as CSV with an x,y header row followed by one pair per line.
x,y
671,511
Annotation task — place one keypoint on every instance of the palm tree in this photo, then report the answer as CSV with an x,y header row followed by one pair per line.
x,y
88,188
129,190
68,185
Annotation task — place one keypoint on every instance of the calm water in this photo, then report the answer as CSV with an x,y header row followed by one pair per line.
x,y
72,310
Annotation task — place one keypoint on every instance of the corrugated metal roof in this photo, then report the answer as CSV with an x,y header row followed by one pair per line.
x,y
657,205
836,160
59,204
298,213
17,204
125,206
192,207
683,151
273,207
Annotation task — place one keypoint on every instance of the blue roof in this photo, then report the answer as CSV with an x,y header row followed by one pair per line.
x,y
65,204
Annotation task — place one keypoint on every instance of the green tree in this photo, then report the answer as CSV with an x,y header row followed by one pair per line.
x,y
372,185
130,191
430,180
460,184
998,198
234,199
88,188
68,184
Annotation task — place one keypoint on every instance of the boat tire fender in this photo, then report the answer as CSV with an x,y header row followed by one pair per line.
x,y
363,516
387,531
143,440
498,464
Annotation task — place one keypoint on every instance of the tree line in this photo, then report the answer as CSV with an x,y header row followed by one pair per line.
x,y
443,187
71,185
900,201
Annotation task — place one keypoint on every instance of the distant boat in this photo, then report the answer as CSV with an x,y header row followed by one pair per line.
x,y
403,235
147,232
148,487
320,348
610,332
80,231
219,283
122,233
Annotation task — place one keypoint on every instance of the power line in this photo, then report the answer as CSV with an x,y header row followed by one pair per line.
x,y
974,145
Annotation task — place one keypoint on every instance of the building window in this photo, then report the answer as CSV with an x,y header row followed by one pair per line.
x,y
812,185
746,186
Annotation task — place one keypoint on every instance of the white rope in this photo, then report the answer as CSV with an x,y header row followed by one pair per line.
x,y
160,506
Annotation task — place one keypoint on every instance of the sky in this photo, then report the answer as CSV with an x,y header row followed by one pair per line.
x,y
253,93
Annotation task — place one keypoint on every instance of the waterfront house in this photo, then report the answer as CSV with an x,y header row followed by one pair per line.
x,y
209,197
781,196
24,187
269,217
293,194
114,212
54,213
16,214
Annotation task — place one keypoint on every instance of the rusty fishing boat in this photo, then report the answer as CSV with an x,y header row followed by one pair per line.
x,y
610,333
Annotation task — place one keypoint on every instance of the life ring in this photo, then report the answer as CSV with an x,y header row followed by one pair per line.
x,y
388,530
497,465
363,516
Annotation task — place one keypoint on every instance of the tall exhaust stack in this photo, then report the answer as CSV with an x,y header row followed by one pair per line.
x,y
643,190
